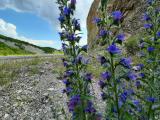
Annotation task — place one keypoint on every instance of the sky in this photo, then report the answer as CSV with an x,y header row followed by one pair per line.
x,y
35,21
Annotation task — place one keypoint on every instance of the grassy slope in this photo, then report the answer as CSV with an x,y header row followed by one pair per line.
x,y
7,50
19,43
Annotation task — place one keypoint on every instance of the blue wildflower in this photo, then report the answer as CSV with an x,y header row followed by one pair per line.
x,y
88,77
120,103
146,17
142,75
67,90
104,96
62,34
96,20
73,2
132,76
102,84
102,60
138,83
121,37
126,62
85,48
158,34
66,11
123,96
150,49
151,99
71,37
136,102
130,92
90,109
150,2
103,33
113,49
73,102
78,59
66,82
117,15
76,24
65,63
138,67
106,75
61,19
69,73
64,46
148,26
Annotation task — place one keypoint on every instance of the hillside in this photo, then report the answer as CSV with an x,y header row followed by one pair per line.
x,y
10,46
7,50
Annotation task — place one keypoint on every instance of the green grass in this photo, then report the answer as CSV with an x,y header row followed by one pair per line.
x,y
58,52
131,45
7,50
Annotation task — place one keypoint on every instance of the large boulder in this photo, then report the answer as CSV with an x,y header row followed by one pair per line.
x,y
132,17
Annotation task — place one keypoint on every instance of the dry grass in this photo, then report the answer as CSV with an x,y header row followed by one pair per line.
x,y
10,69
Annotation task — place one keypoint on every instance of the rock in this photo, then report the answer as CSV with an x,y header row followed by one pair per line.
x,y
50,89
19,91
132,19
6,116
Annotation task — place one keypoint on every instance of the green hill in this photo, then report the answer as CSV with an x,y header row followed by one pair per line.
x,y
7,50
11,46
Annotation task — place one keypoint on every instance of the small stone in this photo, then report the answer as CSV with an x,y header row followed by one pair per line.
x,y
19,91
6,115
50,89
45,94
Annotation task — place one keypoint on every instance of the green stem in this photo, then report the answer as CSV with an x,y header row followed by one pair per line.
x,y
115,86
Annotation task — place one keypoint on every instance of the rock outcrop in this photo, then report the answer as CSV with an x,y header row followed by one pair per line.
x,y
132,19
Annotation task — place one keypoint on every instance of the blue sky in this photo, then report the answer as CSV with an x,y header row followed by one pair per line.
x,y
36,22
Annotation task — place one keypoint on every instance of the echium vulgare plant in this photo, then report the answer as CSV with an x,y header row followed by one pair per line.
x,y
76,79
150,57
118,80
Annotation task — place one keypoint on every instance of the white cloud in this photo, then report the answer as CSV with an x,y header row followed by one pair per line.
x,y
9,29
47,9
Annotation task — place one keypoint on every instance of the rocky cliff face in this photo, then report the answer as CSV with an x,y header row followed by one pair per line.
x,y
132,19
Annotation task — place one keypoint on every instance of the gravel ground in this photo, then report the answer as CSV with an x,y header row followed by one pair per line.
x,y
37,96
